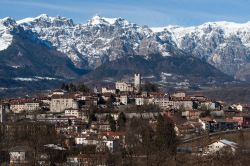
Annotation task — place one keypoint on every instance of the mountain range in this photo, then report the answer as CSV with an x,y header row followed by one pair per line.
x,y
56,48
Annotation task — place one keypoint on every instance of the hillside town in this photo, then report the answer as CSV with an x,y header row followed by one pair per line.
x,y
78,126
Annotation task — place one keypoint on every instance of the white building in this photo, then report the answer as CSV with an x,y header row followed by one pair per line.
x,y
111,144
239,107
163,102
31,106
107,90
139,101
19,155
17,107
60,103
85,140
58,92
208,104
72,112
179,94
220,145
185,104
124,87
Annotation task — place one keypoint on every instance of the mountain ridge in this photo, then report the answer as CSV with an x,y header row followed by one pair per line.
x,y
224,45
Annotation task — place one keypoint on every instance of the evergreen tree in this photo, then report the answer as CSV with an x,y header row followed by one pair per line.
x,y
166,139
92,116
66,87
72,87
63,86
150,87
112,123
83,88
121,121
69,122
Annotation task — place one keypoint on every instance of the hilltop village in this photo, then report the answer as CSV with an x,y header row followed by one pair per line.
x,y
126,122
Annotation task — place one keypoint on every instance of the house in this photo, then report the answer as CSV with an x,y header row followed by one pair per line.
x,y
86,140
218,146
160,99
246,121
188,128
60,119
43,159
57,92
115,135
111,145
124,87
182,103
21,155
108,90
20,105
61,102
17,106
72,112
179,95
242,120
87,160
208,123
208,105
124,99
44,100
32,106
139,100
226,124
78,113
191,114
198,97
239,107
100,126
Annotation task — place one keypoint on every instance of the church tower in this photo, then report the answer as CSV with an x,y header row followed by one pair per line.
x,y
137,81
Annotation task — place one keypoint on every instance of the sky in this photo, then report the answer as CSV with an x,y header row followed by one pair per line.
x,y
154,13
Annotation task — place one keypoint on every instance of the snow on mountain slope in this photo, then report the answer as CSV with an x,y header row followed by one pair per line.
x,y
6,25
225,45
99,40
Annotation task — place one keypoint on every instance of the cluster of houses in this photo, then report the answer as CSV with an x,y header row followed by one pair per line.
x,y
70,113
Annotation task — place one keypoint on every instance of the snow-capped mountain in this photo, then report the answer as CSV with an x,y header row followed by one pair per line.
x,y
224,45
97,41
28,62
6,26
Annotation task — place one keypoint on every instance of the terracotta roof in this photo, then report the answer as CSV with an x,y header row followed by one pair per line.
x,y
62,97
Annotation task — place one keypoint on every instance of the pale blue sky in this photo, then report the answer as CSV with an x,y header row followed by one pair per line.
x,y
143,12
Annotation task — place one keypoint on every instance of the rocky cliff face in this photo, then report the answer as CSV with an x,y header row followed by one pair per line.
x,y
99,40
224,45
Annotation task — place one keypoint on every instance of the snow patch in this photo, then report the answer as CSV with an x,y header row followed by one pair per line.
x,y
110,20
26,20
166,74
5,36
36,78
16,66
25,79
158,29
45,78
